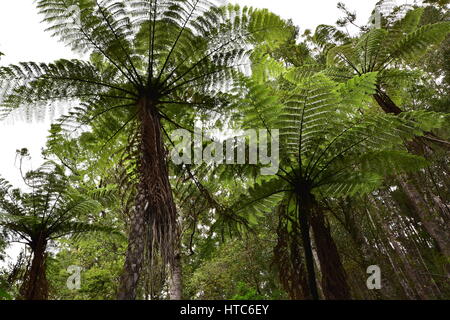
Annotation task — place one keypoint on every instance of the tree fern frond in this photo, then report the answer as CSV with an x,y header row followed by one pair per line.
x,y
359,89
406,25
416,43
261,198
371,49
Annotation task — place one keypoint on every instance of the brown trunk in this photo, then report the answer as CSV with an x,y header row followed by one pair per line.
x,y
135,252
386,103
305,203
401,255
288,258
155,208
176,284
334,278
35,285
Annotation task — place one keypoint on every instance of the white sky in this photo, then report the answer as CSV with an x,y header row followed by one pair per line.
x,y
22,38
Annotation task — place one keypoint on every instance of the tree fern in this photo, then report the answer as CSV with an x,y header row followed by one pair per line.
x,y
50,211
328,150
157,59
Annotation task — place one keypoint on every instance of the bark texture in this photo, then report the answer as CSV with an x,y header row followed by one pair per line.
x,y
305,203
428,216
176,283
35,285
155,210
288,258
334,277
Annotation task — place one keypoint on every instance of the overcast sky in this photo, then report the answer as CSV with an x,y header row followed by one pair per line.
x,y
22,38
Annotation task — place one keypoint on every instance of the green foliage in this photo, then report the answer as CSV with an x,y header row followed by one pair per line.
x,y
329,149
53,209
385,49
416,43
238,270
99,256
246,293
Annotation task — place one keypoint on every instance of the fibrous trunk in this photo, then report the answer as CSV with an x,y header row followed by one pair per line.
x,y
305,203
425,211
176,279
155,210
288,257
35,285
334,277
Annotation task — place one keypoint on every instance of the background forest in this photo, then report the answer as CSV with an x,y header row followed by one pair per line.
x,y
364,141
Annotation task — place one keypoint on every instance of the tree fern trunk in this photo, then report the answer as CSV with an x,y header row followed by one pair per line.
x,y
334,278
386,103
288,257
155,207
135,251
304,204
35,285
176,284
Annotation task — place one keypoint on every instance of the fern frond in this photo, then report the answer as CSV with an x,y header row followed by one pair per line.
x,y
261,198
359,89
416,43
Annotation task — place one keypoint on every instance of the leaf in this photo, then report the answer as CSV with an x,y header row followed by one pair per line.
x,y
415,44
4,295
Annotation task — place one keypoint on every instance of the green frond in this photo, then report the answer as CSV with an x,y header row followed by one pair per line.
x,y
50,207
77,229
297,74
260,105
359,89
105,196
394,77
406,25
351,183
366,174
260,199
326,36
33,85
371,49
344,56
389,162
425,121
265,67
308,115
415,44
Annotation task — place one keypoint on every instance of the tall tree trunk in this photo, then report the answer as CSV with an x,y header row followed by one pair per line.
x,y
289,258
334,278
155,207
176,284
35,285
386,103
135,251
304,205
